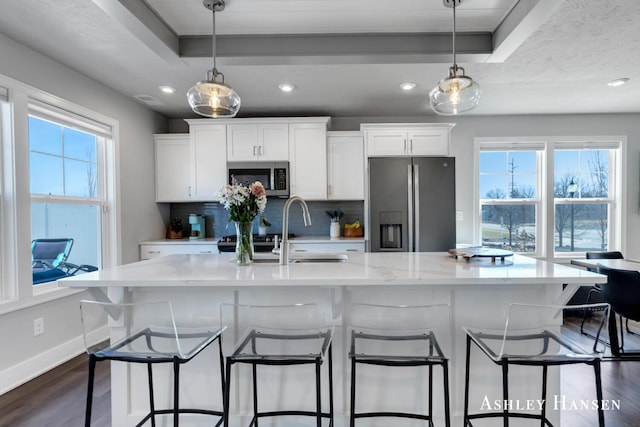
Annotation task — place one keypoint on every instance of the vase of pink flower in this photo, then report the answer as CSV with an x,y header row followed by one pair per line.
x,y
244,203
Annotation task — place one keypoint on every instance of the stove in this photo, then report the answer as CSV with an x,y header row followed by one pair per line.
x,y
260,243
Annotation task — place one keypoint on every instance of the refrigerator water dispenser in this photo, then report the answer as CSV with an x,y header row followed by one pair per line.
x,y
390,230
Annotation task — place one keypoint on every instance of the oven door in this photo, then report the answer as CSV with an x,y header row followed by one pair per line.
x,y
273,175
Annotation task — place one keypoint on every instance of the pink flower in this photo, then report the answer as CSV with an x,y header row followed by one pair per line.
x,y
257,189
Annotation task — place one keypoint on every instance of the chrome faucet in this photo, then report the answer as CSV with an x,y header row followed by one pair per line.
x,y
284,244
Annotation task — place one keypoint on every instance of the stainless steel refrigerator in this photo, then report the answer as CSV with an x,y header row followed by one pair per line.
x,y
412,204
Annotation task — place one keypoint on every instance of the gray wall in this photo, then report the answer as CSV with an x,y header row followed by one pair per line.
x,y
141,217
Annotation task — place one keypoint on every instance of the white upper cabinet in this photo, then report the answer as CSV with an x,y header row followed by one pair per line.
x,y
407,139
209,153
191,167
258,141
173,168
345,166
308,159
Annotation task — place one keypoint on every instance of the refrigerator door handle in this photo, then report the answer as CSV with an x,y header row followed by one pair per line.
x,y
416,206
410,205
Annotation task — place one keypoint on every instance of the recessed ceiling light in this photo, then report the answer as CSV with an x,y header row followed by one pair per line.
x,y
167,89
618,82
407,86
286,87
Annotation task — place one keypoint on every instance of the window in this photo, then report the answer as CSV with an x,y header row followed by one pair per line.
x,y
582,201
3,179
510,201
556,197
67,181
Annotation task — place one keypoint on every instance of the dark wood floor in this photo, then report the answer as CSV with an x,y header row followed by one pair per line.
x,y
57,398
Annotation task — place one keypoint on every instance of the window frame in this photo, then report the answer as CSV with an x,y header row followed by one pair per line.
x,y
545,217
70,120
16,282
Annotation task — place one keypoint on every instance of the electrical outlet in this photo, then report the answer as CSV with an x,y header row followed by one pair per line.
x,y
38,326
459,215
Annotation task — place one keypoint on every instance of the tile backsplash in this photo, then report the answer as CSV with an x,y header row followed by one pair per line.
x,y
216,217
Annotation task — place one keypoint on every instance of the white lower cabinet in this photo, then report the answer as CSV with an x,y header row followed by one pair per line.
x,y
154,250
325,247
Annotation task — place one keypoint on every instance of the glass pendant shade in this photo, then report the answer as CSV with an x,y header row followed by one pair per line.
x,y
211,98
455,94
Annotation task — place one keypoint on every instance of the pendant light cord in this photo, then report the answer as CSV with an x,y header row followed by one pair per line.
x,y
213,39
454,35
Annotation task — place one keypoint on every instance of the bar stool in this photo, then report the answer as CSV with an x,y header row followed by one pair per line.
x,y
279,336
532,336
152,337
398,337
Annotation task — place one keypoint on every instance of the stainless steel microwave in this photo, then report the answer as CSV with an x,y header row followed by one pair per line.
x,y
273,175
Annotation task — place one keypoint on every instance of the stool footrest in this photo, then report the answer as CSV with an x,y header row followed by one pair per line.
x,y
540,417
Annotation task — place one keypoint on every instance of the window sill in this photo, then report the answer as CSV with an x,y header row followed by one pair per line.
x,y
41,297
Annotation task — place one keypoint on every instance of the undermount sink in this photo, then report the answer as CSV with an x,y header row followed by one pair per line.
x,y
316,258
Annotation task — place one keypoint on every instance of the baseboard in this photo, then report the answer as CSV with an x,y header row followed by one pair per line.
x,y
29,369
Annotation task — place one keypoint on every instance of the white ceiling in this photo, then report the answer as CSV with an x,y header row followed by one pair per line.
x,y
347,57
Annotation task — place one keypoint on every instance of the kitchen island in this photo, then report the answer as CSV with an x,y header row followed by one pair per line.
x,y
478,292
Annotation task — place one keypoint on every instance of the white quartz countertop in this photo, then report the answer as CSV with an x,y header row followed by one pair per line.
x,y
360,269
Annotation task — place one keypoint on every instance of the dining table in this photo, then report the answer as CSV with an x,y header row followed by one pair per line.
x,y
619,264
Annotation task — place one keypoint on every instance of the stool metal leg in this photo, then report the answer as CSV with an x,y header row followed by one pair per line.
x,y
505,392
318,395
596,369
176,392
430,403
544,396
330,385
225,397
352,419
151,399
92,371
466,383
255,394
445,373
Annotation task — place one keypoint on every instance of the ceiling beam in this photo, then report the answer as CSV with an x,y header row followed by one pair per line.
x,y
292,49
139,19
526,17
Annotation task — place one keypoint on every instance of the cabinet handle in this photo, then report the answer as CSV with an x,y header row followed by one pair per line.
x,y
352,250
405,146
153,252
411,146
189,191
206,252
254,150
300,250
260,150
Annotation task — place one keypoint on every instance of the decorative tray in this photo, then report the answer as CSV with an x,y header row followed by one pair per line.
x,y
480,252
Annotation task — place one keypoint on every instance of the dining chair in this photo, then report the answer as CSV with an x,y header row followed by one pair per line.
x,y
532,336
595,291
279,337
153,336
622,292
399,337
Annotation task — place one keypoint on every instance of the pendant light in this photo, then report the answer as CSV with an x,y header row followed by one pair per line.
x,y
457,92
212,97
